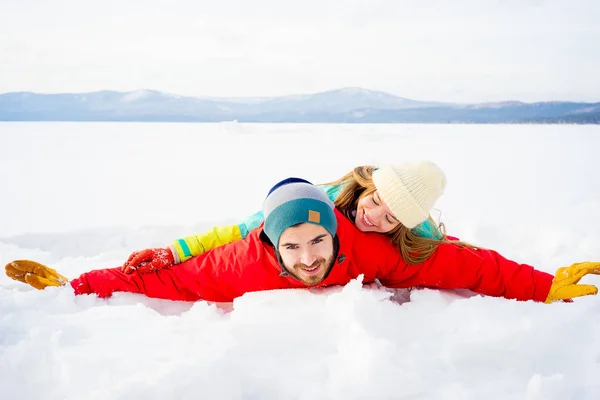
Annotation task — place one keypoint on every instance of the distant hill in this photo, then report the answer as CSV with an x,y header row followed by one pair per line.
x,y
350,105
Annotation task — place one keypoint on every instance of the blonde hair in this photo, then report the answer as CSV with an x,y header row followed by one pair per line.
x,y
415,249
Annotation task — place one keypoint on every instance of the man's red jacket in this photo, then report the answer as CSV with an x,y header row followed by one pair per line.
x,y
250,265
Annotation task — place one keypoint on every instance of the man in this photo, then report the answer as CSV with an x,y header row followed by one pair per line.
x,y
306,242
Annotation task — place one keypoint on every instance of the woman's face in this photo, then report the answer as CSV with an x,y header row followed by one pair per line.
x,y
373,215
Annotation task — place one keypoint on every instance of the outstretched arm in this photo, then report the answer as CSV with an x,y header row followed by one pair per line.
x,y
183,249
164,284
489,273
192,246
219,275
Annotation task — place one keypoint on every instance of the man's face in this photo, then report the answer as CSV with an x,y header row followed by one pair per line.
x,y
307,252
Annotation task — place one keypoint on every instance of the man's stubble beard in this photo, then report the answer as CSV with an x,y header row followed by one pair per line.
x,y
328,264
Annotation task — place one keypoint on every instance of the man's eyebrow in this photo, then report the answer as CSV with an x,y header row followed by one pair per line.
x,y
321,236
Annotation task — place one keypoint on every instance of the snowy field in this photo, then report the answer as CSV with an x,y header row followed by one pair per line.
x,y
81,196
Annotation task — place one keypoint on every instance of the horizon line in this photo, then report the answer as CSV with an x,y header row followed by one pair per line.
x,y
259,97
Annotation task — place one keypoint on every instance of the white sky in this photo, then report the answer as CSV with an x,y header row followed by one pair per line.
x,y
464,50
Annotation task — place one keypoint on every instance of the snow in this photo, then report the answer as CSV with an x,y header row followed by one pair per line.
x,y
136,95
81,196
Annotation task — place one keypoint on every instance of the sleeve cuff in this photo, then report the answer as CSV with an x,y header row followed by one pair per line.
x,y
176,259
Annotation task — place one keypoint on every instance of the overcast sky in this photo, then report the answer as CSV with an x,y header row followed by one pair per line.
x,y
460,50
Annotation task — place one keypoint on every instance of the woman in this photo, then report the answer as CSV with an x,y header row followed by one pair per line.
x,y
394,200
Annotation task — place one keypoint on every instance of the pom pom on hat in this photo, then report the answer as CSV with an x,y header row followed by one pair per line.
x,y
410,190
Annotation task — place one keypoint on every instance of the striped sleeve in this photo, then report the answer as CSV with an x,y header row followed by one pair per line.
x,y
191,246
250,223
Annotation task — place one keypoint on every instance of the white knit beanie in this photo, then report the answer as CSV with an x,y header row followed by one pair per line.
x,y
410,190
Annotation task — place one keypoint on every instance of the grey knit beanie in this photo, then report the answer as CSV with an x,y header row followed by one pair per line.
x,y
294,201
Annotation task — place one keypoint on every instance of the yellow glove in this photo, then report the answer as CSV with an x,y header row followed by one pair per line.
x,y
35,274
565,281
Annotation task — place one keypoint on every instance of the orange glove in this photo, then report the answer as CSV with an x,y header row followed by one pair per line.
x,y
148,260
565,285
34,274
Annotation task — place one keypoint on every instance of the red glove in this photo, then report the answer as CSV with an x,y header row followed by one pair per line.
x,y
148,260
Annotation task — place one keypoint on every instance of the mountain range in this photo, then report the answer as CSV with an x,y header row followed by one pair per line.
x,y
347,105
